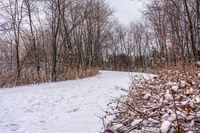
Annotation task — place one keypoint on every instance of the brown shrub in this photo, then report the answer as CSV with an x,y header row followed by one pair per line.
x,y
169,102
71,74
30,76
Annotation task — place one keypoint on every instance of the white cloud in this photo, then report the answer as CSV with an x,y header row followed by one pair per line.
x,y
126,10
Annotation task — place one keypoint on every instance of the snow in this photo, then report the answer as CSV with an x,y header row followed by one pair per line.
x,y
175,88
147,95
136,122
172,117
165,127
168,96
197,99
64,107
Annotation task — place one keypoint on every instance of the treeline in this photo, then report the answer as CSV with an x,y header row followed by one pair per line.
x,y
175,25
47,40
169,35
52,40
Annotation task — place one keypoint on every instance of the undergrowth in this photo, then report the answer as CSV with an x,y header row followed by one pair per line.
x,y
166,103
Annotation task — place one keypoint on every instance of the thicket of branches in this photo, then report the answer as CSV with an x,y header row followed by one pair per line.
x,y
50,40
166,103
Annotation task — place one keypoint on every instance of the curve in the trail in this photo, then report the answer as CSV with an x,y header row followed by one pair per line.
x,y
62,107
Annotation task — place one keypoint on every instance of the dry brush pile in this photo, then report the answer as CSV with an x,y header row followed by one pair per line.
x,y
167,103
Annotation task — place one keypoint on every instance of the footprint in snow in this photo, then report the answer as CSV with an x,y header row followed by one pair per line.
x,y
73,110
42,121
13,127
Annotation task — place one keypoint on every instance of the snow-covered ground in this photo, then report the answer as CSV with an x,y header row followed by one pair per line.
x,y
62,107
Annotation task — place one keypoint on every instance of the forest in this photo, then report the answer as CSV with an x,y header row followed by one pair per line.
x,y
72,66
53,40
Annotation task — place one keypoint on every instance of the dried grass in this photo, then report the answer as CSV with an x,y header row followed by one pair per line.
x,y
71,74
30,76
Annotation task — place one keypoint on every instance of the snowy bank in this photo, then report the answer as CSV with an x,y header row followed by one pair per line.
x,y
63,107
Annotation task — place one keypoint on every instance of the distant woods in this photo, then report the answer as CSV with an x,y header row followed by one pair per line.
x,y
52,40
175,25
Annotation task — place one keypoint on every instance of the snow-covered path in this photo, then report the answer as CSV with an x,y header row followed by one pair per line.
x,y
63,107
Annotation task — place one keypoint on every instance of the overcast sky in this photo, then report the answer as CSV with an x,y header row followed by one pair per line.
x,y
126,10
